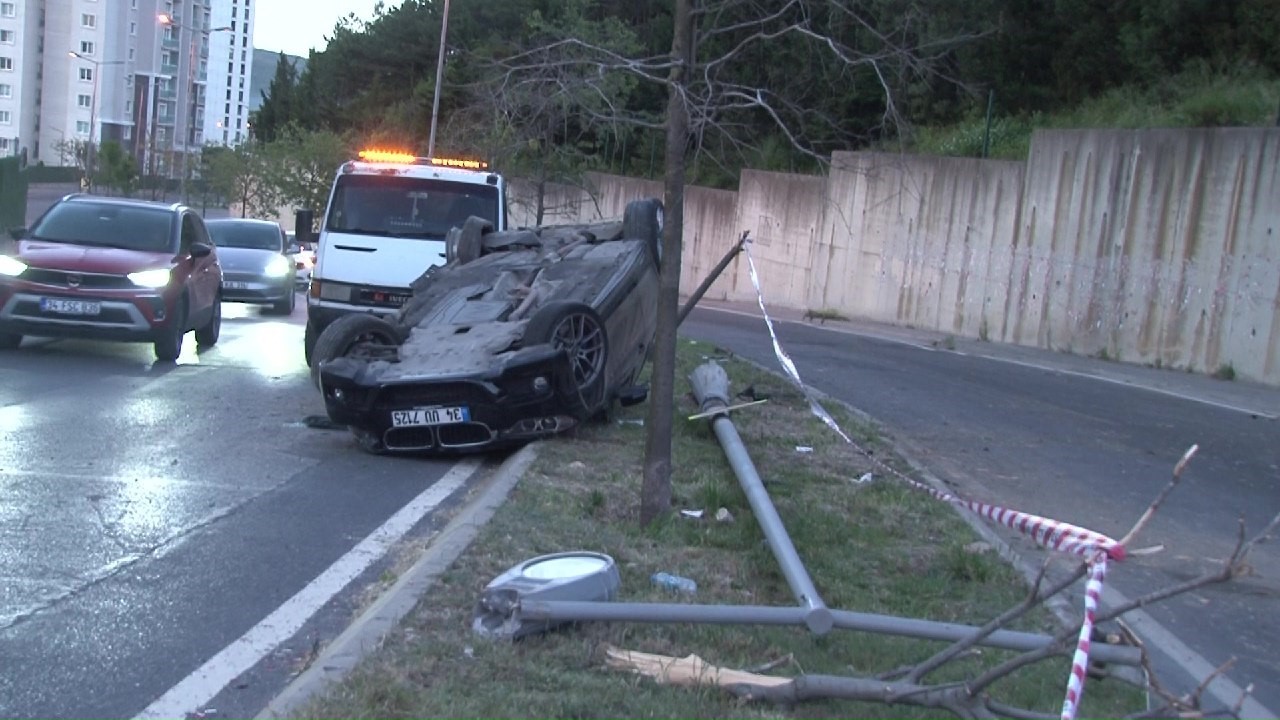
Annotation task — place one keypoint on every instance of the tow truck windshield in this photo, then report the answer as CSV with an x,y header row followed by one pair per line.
x,y
406,206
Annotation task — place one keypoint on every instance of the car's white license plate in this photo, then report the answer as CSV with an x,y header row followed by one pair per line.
x,y
429,416
70,307
235,285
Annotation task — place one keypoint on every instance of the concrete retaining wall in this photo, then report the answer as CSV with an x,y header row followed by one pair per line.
x,y
1152,246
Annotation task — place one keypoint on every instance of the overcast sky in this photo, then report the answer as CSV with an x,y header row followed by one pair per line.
x,y
296,26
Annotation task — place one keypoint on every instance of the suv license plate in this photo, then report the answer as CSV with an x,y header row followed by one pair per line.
x,y
429,416
235,284
70,307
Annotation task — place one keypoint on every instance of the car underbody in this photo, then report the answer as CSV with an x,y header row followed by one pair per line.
x,y
521,335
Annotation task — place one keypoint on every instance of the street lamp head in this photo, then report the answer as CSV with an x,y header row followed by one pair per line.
x,y
165,19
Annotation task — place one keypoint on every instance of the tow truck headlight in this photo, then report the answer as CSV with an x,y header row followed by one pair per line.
x,y
150,278
277,266
11,267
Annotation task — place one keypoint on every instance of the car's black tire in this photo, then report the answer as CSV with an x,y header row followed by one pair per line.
x,y
168,344
10,341
207,336
579,329
309,336
344,337
464,244
285,307
643,220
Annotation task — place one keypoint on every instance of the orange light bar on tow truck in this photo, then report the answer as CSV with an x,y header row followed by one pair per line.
x,y
387,156
459,163
395,156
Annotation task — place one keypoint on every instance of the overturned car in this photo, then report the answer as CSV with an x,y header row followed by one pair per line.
x,y
521,334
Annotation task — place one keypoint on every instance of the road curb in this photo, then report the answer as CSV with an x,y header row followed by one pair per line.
x,y
368,631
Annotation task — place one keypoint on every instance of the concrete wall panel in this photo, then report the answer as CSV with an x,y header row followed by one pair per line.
x,y
1151,246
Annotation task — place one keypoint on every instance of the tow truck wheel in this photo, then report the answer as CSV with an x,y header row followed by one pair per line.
x,y
309,341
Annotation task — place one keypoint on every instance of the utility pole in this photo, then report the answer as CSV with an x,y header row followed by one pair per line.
x,y
435,105
90,154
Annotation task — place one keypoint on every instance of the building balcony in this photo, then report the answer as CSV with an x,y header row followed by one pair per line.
x,y
166,119
169,43
168,69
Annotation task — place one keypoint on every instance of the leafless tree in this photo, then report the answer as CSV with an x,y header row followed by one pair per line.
x,y
712,40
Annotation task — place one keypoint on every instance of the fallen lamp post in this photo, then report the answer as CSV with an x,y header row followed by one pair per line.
x,y
514,604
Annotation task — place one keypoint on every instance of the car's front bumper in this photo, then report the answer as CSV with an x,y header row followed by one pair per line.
x,y
134,318
504,406
257,289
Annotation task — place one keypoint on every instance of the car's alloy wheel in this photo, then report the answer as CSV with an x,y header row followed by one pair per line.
x,y
583,337
578,329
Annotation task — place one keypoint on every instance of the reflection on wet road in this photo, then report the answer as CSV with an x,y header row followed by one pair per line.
x,y
150,512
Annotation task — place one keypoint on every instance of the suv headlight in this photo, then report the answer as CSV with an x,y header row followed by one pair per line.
x,y
277,266
150,278
11,267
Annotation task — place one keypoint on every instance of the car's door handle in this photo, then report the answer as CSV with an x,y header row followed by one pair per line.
x,y
356,248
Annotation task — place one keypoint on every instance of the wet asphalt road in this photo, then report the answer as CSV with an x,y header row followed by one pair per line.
x,y
1078,450
151,514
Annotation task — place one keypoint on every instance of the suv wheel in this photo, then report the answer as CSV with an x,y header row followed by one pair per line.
x,y
207,336
168,344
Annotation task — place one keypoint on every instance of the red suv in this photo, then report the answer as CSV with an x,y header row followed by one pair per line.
x,y
112,269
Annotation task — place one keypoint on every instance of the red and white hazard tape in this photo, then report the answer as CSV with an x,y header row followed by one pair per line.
x,y
1080,661
1095,547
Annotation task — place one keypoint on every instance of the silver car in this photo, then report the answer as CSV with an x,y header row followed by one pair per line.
x,y
257,262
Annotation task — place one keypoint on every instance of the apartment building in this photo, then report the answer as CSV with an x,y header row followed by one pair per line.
x,y
161,77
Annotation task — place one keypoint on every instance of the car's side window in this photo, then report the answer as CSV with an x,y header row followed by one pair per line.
x,y
202,233
190,233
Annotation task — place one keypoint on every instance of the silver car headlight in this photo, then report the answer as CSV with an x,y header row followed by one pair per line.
x,y
150,278
277,266
11,267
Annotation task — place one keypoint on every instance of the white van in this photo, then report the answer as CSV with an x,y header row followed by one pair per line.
x,y
386,223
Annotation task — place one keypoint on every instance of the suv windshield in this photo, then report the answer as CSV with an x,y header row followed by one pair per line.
x,y
105,225
253,235
407,207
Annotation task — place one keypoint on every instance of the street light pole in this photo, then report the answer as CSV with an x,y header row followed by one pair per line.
x,y
435,104
90,154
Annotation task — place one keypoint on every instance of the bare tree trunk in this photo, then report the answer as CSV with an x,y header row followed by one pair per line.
x,y
655,491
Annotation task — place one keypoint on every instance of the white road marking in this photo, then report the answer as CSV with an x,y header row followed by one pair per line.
x,y
209,679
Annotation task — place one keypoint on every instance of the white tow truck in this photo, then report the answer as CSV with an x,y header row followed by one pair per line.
x,y
386,222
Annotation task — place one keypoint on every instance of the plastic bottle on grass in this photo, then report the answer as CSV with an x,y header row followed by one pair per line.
x,y
675,583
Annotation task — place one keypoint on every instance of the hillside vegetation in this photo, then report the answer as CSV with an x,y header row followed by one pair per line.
x,y
550,88
1197,98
